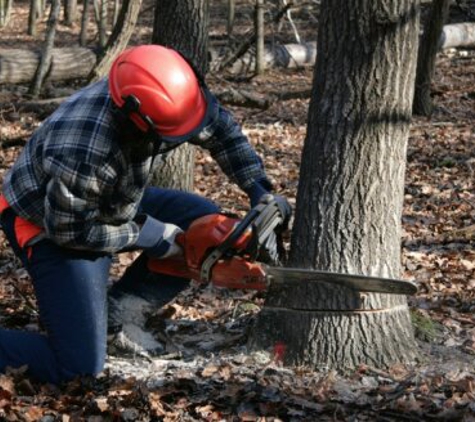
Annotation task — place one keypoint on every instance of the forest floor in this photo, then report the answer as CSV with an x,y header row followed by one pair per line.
x,y
207,374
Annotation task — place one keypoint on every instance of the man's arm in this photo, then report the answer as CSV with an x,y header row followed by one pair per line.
x,y
231,149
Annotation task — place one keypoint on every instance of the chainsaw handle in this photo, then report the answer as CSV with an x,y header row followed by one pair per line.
x,y
228,243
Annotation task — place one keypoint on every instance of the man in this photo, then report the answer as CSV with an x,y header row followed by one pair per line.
x,y
78,194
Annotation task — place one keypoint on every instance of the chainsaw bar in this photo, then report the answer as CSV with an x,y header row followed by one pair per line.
x,y
360,283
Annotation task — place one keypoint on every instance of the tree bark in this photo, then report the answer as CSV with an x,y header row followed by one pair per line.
x,y
115,14
46,56
119,38
102,28
70,11
33,16
231,16
5,12
259,25
426,57
350,195
84,21
182,25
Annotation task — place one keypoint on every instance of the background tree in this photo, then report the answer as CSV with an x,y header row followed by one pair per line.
x,y
46,55
259,25
350,195
428,49
35,7
70,11
84,21
231,17
5,12
102,21
182,25
119,38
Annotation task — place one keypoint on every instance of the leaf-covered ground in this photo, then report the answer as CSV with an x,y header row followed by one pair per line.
x,y
206,373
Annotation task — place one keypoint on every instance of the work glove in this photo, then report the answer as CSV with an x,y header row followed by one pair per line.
x,y
158,239
285,210
258,192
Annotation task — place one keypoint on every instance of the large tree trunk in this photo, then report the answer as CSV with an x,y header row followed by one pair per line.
x,y
182,25
426,57
119,38
349,204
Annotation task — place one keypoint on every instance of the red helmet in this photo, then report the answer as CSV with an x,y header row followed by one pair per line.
x,y
163,87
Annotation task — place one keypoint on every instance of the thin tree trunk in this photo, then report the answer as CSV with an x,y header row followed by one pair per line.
x,y
46,55
103,23
115,16
259,25
350,195
231,17
33,16
244,47
292,24
182,25
97,11
42,6
426,58
119,38
84,22
70,12
5,12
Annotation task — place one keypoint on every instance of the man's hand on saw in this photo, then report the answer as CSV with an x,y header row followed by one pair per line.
x,y
158,239
285,210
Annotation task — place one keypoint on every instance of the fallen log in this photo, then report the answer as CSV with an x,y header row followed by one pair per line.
x,y
19,66
457,35
286,56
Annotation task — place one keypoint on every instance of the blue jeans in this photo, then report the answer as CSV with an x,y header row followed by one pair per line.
x,y
71,291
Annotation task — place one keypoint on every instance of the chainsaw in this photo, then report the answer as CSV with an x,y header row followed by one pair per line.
x,y
228,252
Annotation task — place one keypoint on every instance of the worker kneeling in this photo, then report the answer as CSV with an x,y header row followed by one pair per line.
x,y
78,193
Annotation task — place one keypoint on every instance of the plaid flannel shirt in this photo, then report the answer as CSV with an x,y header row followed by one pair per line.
x,y
74,179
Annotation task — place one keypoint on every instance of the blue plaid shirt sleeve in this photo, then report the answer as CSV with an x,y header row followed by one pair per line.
x,y
72,208
230,148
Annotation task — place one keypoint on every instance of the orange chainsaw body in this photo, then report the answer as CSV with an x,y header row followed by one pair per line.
x,y
202,237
